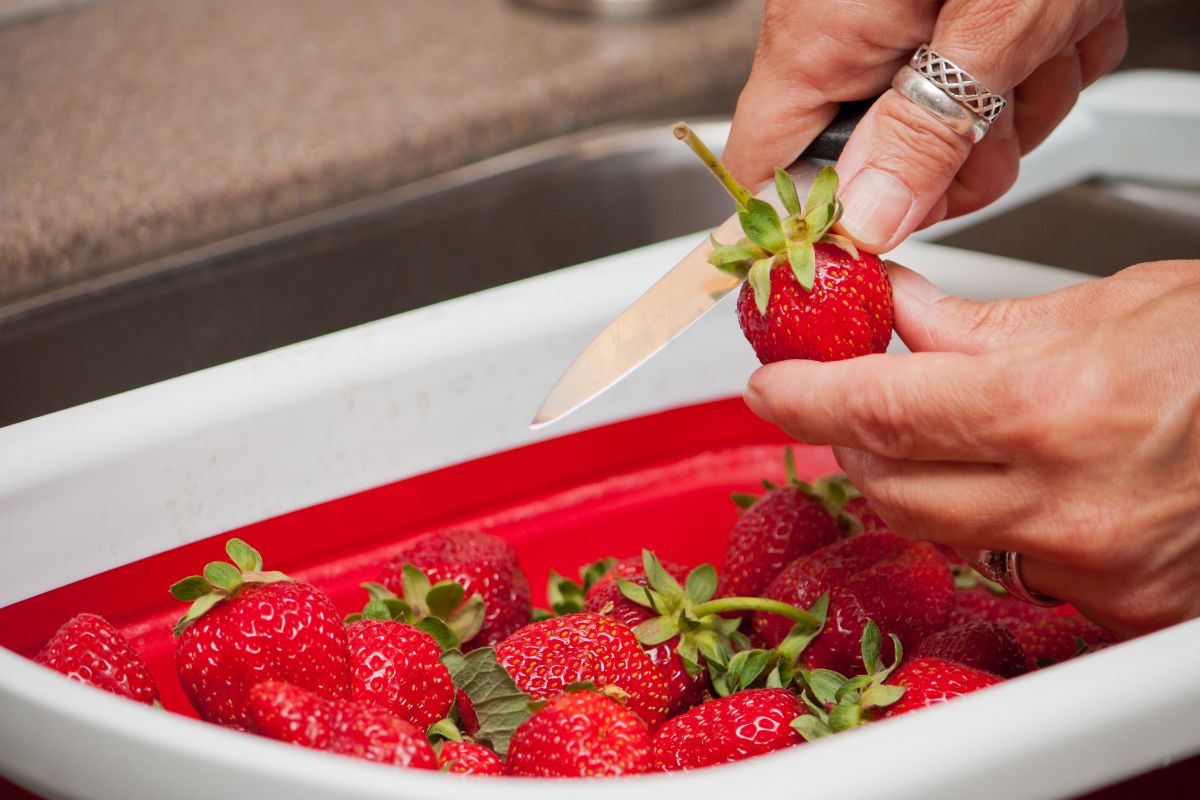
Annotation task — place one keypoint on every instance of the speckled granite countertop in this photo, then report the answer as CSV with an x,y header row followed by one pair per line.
x,y
133,128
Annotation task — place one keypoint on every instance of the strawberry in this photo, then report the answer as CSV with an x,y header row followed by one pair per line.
x,y
581,734
932,680
858,508
605,598
730,728
809,293
88,649
1047,635
246,626
548,656
397,666
982,645
468,758
482,564
779,527
905,587
689,622
280,710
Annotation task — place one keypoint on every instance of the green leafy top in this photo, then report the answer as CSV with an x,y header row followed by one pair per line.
x,y
831,491
771,240
499,704
706,638
220,581
569,597
441,609
838,703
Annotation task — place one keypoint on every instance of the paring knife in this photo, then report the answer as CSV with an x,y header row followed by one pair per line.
x,y
682,296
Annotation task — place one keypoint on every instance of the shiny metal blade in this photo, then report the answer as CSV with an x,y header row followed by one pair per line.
x,y
668,308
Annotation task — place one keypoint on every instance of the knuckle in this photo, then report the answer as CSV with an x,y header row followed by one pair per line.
x,y
879,418
915,139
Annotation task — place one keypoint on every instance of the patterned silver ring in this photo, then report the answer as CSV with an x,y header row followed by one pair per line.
x,y
1004,567
949,93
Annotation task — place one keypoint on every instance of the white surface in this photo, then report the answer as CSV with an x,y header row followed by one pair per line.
x,y
101,485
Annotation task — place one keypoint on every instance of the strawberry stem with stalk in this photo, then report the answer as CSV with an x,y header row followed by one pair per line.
x,y
440,609
221,581
771,241
832,492
706,639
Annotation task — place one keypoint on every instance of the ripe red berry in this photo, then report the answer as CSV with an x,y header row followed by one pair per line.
x,y
581,734
483,564
548,656
88,649
730,728
982,645
905,587
398,666
606,598
931,680
288,713
469,758
847,313
246,626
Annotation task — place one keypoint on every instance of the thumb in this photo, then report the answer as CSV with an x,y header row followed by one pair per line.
x,y
928,319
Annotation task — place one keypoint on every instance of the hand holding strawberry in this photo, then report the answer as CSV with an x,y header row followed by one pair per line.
x,y
1027,425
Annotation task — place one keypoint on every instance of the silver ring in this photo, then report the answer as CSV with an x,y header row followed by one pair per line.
x,y
939,86
1004,567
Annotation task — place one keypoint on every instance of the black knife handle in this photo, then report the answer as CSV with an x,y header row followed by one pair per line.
x,y
830,142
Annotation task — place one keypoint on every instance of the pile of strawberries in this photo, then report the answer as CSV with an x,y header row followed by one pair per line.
x,y
821,620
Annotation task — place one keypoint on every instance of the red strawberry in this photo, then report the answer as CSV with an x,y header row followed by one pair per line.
x,y
581,734
846,311
482,564
905,587
397,666
1047,635
605,598
810,293
88,649
779,527
246,626
548,656
862,511
466,713
288,713
982,645
469,758
731,728
931,680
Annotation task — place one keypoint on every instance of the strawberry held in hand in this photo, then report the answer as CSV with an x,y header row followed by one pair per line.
x,y
246,626
88,649
810,293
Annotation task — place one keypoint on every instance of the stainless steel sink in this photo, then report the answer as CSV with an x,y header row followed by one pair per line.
x,y
548,206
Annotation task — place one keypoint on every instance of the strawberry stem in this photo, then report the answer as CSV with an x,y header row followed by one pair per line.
x,y
755,604
741,195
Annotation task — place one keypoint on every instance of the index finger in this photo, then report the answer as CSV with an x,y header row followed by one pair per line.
x,y
921,406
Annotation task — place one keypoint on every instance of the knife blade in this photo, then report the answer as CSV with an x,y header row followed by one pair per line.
x,y
682,296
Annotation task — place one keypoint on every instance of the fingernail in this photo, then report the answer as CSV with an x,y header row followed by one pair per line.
x,y
756,403
875,205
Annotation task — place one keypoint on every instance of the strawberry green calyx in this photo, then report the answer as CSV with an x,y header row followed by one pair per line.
x,y
221,581
771,240
838,703
441,609
706,639
833,492
499,704
569,597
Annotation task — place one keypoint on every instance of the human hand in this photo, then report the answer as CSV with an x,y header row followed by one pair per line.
x,y
1065,427
904,169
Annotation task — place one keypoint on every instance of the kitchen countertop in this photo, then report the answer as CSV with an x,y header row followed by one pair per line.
x,y
134,128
